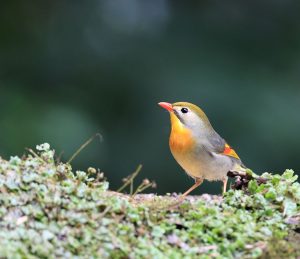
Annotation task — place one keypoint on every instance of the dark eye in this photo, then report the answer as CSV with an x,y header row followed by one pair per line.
x,y
184,110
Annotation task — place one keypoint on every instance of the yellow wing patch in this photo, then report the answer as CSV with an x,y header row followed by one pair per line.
x,y
228,151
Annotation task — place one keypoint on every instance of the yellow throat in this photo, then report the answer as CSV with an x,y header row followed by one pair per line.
x,y
181,138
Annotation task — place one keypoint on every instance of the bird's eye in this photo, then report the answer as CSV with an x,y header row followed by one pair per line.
x,y
184,110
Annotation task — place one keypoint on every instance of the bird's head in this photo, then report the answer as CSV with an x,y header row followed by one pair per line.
x,y
187,115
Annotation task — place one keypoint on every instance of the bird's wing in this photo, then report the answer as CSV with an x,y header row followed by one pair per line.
x,y
218,145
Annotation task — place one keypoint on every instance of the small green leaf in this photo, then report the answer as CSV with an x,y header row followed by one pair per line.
x,y
252,186
290,207
261,187
289,175
271,194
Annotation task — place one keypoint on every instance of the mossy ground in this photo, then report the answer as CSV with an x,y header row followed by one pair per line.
x,y
49,211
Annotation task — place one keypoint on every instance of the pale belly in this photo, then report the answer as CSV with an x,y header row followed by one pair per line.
x,y
205,166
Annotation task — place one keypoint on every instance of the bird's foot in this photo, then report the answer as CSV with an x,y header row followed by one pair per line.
x,y
178,202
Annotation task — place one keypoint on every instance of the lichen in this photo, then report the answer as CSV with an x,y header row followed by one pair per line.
x,y
48,211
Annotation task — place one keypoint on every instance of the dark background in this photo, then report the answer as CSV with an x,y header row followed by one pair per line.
x,y
69,69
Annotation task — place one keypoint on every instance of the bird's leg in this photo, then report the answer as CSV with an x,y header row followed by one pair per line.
x,y
197,183
224,184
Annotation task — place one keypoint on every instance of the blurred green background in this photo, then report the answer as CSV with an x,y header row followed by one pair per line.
x,y
69,69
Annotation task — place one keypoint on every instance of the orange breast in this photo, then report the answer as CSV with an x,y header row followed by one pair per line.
x,y
181,139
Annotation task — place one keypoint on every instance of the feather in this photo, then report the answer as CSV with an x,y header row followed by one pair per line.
x,y
228,151
181,139
218,145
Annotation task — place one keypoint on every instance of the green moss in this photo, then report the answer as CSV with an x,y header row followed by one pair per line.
x,y
49,211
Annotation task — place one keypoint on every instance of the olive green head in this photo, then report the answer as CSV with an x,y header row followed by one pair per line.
x,y
191,115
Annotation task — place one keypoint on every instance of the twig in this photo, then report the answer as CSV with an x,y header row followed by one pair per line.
x,y
83,146
130,180
141,188
243,178
35,154
131,187
58,158
106,210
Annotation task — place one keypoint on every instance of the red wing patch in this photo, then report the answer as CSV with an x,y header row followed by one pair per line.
x,y
228,151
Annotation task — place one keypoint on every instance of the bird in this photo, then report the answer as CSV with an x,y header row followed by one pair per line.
x,y
197,147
